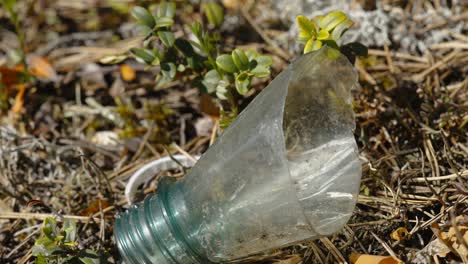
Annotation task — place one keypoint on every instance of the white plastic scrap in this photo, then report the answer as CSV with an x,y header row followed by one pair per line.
x,y
152,168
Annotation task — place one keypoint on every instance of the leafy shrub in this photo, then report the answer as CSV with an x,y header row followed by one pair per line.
x,y
59,245
220,75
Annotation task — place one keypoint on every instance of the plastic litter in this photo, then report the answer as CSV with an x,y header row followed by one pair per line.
x,y
286,170
152,168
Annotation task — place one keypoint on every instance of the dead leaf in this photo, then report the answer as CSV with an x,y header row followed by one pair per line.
x,y
95,206
105,138
128,74
9,76
19,99
357,258
41,68
208,106
400,234
451,240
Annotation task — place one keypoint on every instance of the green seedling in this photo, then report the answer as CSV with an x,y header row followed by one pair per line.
x,y
58,244
328,30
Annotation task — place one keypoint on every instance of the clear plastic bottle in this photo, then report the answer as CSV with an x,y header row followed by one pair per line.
x,y
286,170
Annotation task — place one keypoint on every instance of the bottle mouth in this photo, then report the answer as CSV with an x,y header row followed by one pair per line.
x,y
147,233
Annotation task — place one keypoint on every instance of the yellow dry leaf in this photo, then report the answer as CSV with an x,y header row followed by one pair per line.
x,y
41,68
451,240
456,244
95,206
357,258
19,99
400,234
128,74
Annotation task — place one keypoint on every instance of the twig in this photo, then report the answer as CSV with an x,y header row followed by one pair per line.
x,y
335,252
183,152
389,59
42,216
441,178
420,77
283,54
398,55
450,45
214,131
25,240
385,246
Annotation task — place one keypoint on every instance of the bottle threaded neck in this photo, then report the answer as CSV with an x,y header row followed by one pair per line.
x,y
148,233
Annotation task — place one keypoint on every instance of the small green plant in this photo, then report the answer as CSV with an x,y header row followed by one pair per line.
x,y
214,13
327,31
198,60
9,5
59,245
9,77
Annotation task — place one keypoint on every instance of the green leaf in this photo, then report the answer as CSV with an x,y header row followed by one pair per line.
x,y
211,81
323,34
221,90
251,54
303,37
144,29
341,29
89,257
164,22
143,55
306,26
349,53
167,38
196,29
166,10
50,229
264,60
227,118
69,226
330,43
260,71
185,47
312,45
332,19
44,246
240,59
316,21
155,62
358,48
196,45
40,259
242,83
168,70
8,4
226,63
143,16
214,13
333,53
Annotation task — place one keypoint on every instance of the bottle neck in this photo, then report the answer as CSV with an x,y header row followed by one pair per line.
x,y
149,232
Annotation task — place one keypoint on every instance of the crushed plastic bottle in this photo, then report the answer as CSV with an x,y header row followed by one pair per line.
x,y
286,170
